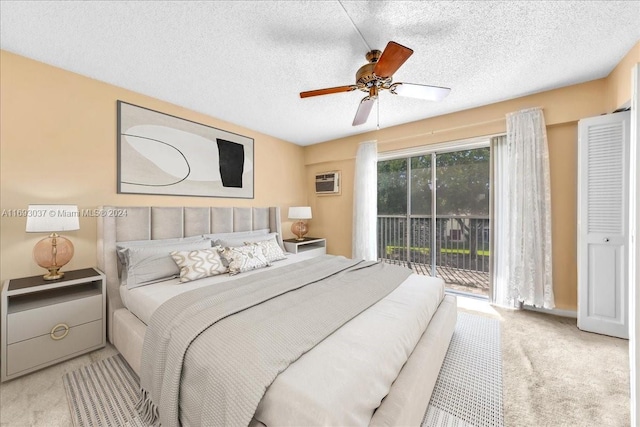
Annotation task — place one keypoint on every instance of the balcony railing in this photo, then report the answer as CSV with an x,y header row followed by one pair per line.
x,y
460,243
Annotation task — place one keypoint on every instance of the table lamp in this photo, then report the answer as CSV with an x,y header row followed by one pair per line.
x,y
54,251
299,228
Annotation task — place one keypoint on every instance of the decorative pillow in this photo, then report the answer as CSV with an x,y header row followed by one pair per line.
x,y
244,258
149,264
271,249
237,234
199,264
121,246
241,241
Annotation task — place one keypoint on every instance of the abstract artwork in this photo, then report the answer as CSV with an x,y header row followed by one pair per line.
x,y
163,154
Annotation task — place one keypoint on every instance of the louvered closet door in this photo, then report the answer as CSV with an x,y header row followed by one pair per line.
x,y
603,176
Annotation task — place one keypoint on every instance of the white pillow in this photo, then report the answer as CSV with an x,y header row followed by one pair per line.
x,y
120,246
149,264
271,249
237,242
244,258
200,263
237,234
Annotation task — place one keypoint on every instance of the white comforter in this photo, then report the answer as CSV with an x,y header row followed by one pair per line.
x,y
344,378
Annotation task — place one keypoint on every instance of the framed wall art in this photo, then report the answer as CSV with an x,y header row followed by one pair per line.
x,y
163,154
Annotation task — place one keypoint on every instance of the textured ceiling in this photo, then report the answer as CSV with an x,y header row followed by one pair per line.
x,y
246,62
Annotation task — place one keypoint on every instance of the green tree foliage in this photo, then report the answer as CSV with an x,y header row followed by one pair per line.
x,y
421,185
392,187
462,184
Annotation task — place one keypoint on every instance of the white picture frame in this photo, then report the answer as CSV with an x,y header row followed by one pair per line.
x,y
166,155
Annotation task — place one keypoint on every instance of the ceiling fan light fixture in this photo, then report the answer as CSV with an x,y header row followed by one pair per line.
x,y
412,90
377,75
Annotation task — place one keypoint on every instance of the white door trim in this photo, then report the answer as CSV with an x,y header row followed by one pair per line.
x,y
634,247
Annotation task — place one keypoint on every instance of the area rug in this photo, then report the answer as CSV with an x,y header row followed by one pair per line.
x,y
104,393
468,391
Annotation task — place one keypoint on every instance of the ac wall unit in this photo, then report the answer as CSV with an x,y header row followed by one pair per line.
x,y
328,183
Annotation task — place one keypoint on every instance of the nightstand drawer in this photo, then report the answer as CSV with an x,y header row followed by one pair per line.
x,y
37,351
23,325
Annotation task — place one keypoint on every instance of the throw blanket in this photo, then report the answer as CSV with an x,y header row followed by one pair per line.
x,y
248,331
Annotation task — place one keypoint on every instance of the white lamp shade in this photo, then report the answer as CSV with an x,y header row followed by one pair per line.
x,y
52,218
300,212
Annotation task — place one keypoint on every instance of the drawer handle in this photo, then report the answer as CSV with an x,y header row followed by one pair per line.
x,y
54,330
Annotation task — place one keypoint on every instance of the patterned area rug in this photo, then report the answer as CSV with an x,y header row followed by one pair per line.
x,y
468,391
104,393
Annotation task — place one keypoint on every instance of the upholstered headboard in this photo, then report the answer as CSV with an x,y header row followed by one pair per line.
x,y
126,223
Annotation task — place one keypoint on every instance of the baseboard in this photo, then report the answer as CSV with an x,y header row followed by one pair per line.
x,y
466,294
554,311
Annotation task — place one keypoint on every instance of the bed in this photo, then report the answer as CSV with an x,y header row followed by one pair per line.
x,y
338,381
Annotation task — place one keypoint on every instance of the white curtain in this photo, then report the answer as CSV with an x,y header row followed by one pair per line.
x,y
365,202
522,214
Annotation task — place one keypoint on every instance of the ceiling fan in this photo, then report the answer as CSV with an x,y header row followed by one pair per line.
x,y
377,75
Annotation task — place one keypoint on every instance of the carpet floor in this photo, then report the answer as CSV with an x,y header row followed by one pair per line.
x,y
468,391
557,375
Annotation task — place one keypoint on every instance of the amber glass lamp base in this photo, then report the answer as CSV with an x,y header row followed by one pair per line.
x,y
53,253
299,229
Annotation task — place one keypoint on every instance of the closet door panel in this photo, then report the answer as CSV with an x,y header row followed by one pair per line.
x,y
603,175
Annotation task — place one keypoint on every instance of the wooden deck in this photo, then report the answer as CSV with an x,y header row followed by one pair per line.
x,y
475,282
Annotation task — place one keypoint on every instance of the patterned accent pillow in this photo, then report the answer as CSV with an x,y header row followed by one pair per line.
x,y
199,264
244,258
271,249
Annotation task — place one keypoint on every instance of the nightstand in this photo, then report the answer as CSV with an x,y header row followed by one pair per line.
x,y
47,321
311,246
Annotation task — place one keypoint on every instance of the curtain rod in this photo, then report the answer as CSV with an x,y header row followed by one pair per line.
x,y
433,132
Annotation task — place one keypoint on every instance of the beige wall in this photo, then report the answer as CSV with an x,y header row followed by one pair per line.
x,y
619,80
562,109
58,145
563,159
332,215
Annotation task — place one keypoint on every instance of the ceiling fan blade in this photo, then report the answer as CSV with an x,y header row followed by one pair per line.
x,y
328,91
363,110
412,90
393,56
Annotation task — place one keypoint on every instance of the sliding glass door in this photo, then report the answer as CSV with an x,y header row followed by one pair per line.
x,y
433,216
